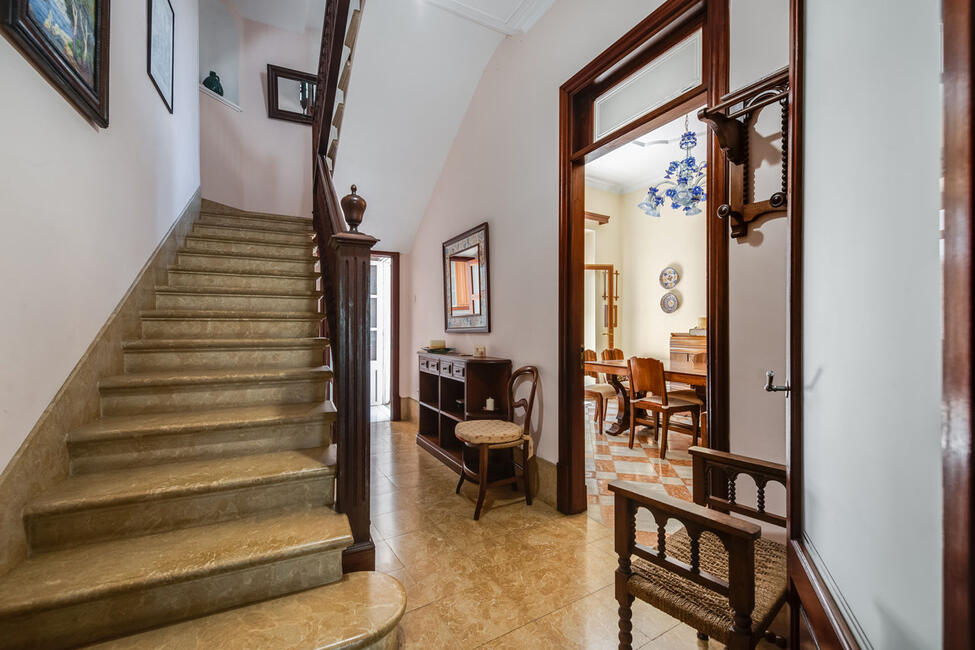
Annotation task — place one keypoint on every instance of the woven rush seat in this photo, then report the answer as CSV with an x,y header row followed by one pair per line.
x,y
699,607
488,432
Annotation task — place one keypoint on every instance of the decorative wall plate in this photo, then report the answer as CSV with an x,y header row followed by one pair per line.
x,y
669,303
669,278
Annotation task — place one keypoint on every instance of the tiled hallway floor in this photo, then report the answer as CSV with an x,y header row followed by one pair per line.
x,y
609,458
522,577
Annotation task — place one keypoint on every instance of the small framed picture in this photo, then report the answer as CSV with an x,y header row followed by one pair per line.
x,y
161,46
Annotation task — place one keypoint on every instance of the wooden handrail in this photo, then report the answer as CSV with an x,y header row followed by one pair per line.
x,y
344,255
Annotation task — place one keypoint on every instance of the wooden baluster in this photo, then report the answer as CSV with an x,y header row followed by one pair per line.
x,y
695,534
625,516
760,483
349,255
662,537
732,477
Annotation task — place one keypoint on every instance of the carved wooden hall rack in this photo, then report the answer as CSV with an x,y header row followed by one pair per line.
x,y
731,121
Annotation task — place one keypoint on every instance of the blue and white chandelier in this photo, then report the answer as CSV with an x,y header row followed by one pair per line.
x,y
682,184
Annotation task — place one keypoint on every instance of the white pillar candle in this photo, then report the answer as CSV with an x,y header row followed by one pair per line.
x,y
489,404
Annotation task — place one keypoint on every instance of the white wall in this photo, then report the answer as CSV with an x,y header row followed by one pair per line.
x,y
220,46
872,325
83,208
757,264
503,169
248,160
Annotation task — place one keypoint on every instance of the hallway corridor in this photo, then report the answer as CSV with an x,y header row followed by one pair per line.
x,y
521,577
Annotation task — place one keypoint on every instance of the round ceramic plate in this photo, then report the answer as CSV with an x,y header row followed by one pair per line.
x,y
669,303
669,278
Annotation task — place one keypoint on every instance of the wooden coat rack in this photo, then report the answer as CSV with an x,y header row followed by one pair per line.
x,y
730,121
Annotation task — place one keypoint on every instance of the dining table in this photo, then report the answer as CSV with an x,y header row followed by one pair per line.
x,y
693,374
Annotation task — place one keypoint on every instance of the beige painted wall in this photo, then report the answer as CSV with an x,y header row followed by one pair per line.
x,y
607,249
649,245
83,208
248,160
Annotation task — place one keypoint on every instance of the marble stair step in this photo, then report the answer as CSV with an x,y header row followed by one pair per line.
x,y
256,222
232,246
361,610
264,281
145,500
240,263
154,439
259,235
190,324
181,390
89,593
239,300
213,208
146,355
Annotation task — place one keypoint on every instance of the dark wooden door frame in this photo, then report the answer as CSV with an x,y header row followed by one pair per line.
x,y
652,36
959,593
820,614
395,401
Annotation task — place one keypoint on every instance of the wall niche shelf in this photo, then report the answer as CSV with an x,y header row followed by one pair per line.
x,y
454,388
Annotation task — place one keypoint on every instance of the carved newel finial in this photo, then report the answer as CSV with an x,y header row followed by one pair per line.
x,y
353,206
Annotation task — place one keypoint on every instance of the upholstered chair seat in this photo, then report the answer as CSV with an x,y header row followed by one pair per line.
x,y
673,400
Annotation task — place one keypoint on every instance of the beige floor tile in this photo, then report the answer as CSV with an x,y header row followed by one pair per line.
x,y
386,560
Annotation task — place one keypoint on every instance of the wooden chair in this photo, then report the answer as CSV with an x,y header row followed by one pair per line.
x,y
600,392
612,354
648,392
488,435
717,574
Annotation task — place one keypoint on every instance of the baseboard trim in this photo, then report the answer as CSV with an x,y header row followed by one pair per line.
x,y
42,459
359,557
826,621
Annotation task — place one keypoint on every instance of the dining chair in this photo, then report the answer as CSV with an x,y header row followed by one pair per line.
x,y
599,392
489,435
648,392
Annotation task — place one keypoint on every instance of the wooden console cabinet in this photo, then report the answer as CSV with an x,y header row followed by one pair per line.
x,y
454,388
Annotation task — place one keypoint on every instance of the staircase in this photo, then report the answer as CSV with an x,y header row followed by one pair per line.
x,y
200,504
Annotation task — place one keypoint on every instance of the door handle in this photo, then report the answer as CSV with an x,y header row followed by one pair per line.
x,y
771,387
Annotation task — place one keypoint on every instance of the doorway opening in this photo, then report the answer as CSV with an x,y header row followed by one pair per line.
x,y
645,278
383,335
633,99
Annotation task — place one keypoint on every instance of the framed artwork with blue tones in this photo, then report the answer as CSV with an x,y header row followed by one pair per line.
x,y
161,47
68,41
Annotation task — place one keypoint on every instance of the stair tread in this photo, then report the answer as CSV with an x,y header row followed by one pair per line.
x,y
359,609
236,212
153,482
222,344
60,578
249,257
250,241
207,376
239,314
233,291
256,230
269,225
249,274
226,418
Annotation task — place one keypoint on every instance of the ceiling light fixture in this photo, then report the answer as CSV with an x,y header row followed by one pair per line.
x,y
682,184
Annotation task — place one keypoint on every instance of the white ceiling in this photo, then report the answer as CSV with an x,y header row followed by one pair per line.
x,y
638,164
290,15
505,16
416,68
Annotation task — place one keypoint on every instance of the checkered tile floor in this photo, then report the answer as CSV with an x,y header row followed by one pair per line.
x,y
609,458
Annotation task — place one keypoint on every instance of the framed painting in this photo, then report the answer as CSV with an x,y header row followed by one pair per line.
x,y
161,48
68,41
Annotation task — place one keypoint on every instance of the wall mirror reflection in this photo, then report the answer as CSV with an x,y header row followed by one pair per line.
x,y
466,304
290,94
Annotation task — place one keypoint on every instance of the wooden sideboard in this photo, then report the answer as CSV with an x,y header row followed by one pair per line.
x,y
689,348
454,388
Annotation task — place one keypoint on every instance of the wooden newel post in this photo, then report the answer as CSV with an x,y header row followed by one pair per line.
x,y
350,360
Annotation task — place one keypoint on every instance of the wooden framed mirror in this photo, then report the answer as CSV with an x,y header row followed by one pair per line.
x,y
465,282
290,94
